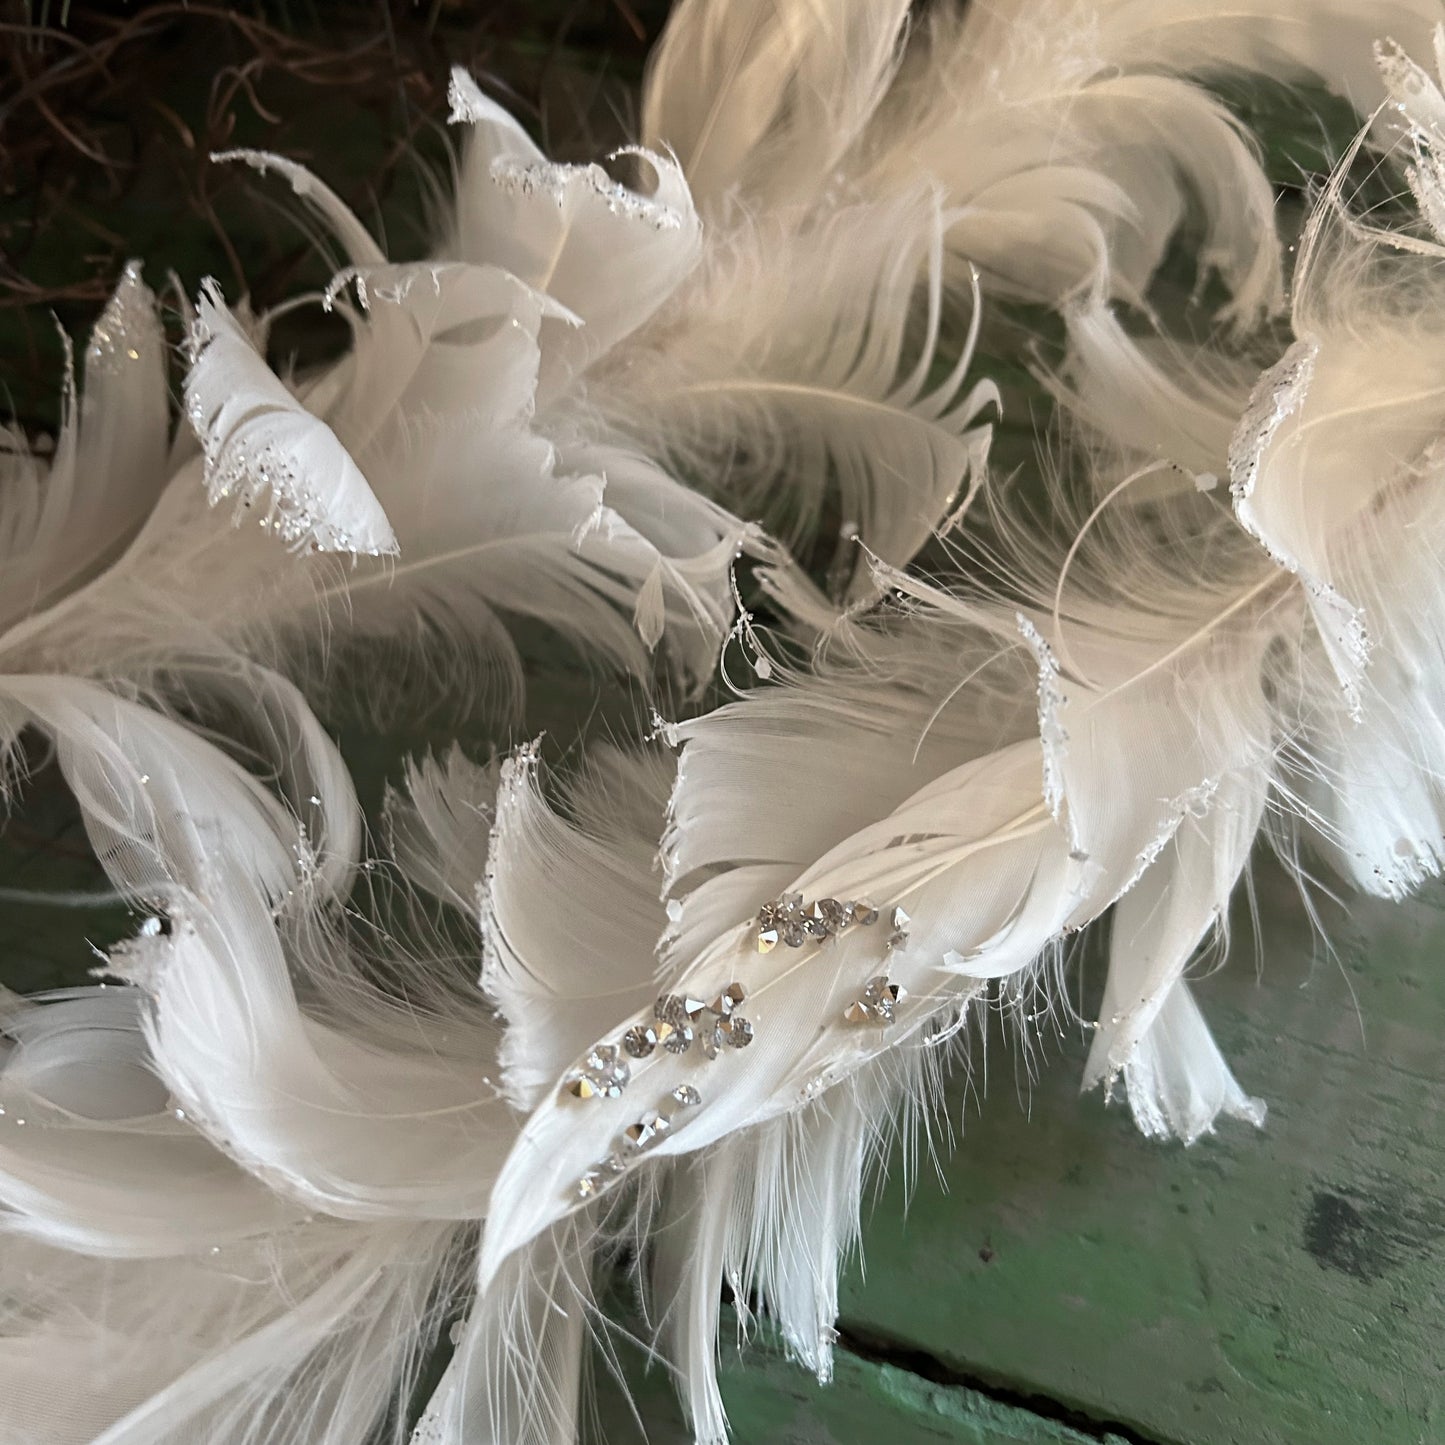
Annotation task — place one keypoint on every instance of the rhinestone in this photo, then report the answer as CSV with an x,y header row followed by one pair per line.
x,y
794,934
685,1097
678,1040
679,1009
901,925
880,999
737,1032
767,939
728,1000
865,913
791,903
710,1039
603,1075
641,1039
831,915
589,1184
767,916
647,1131
815,928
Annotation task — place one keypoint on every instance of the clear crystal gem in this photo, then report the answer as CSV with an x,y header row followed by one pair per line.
x,y
710,1038
647,1131
794,934
728,1000
685,1097
901,925
641,1039
737,1032
604,1075
880,999
589,1184
865,913
767,939
679,1039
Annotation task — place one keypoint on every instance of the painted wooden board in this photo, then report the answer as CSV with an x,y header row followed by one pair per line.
x,y
772,1402
1285,1287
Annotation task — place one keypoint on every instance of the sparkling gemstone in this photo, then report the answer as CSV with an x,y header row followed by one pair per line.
x,y
865,913
710,1038
589,1184
880,999
641,1039
679,1039
767,916
604,1075
767,939
815,928
728,999
794,934
791,903
647,1131
737,1032
832,915
901,925
679,1009
685,1097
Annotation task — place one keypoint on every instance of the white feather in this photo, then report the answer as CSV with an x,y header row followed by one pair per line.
x,y
761,100
788,380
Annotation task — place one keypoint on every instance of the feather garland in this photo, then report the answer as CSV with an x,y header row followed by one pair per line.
x,y
900,832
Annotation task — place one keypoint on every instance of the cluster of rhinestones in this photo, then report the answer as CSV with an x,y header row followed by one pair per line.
x,y
636,1139
880,999
604,1074
680,1021
793,921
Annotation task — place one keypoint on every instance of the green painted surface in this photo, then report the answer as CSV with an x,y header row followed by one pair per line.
x,y
770,1401
1258,1289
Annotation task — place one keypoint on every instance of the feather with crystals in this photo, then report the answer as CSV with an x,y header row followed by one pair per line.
x,y
1093,735
1169,717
